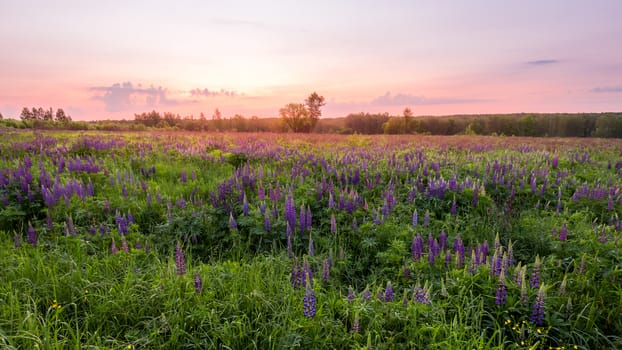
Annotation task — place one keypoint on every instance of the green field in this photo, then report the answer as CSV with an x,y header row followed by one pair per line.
x,y
271,241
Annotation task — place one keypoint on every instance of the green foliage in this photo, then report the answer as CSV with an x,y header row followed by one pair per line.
x,y
74,290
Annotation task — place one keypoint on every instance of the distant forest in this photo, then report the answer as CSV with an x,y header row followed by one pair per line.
x,y
520,124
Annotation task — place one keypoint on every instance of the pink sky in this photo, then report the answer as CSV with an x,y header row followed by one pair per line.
x,y
111,59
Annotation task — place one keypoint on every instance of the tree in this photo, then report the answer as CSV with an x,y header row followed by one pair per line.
x,y
1,117
26,114
61,117
313,103
301,117
296,116
407,114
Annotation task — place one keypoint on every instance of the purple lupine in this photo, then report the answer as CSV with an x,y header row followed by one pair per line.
x,y
389,293
350,294
32,235
426,218
113,247
453,211
266,222
333,223
296,275
124,247
367,294
355,225
290,211
534,280
303,219
308,302
442,240
415,218
198,283
180,259
501,294
475,196
537,312
406,271
563,233
417,248
325,270
448,257
356,324
421,295
245,209
307,273
184,177
232,223
459,250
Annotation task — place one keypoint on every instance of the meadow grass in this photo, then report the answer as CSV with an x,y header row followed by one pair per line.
x,y
129,241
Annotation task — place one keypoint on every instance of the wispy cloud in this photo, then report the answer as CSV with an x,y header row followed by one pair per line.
x,y
213,93
125,96
607,89
406,100
544,62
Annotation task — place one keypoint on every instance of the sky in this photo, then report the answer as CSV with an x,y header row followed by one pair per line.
x,y
112,59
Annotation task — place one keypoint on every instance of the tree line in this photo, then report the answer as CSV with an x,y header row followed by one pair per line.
x,y
305,117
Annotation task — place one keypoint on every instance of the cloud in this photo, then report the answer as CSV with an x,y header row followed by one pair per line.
x,y
405,100
125,96
607,89
213,93
542,62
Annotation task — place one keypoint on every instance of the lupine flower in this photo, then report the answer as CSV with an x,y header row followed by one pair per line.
x,y
113,247
415,218
245,205
421,295
534,280
32,235
453,211
350,294
406,271
366,294
389,293
417,248
309,302
459,250
426,218
198,283
296,275
356,325
581,269
442,240
180,260
563,233
501,290
303,219
537,312
333,223
124,247
232,223
307,273
266,222
325,270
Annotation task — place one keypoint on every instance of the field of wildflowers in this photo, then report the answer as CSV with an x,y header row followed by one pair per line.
x,y
246,241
